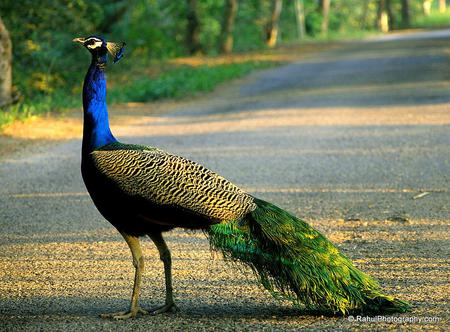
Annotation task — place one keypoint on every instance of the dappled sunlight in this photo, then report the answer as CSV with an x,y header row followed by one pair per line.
x,y
102,268
47,128
234,58
54,128
282,54
97,235
269,119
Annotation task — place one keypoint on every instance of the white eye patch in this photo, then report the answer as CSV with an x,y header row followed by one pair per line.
x,y
93,43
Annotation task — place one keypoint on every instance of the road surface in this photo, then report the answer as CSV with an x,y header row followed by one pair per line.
x,y
355,140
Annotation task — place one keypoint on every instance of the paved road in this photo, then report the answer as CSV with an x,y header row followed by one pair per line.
x,y
345,138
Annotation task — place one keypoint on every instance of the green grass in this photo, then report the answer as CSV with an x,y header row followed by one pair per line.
x,y
57,102
175,82
182,82
344,35
435,20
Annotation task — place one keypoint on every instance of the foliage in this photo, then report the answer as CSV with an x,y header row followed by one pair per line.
x,y
42,50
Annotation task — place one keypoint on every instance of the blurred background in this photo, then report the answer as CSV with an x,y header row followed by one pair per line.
x,y
47,67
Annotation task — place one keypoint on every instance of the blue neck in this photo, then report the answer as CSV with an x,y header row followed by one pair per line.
x,y
96,131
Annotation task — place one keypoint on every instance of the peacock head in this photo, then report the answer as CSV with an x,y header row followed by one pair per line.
x,y
98,47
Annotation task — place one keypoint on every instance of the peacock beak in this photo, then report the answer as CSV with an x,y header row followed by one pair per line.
x,y
79,40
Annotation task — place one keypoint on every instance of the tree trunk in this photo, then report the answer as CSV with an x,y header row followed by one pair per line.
x,y
390,13
442,6
426,5
325,9
226,39
364,14
385,15
382,16
405,14
272,27
5,66
108,22
300,16
193,28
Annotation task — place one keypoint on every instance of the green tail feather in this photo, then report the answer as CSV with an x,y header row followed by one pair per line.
x,y
294,261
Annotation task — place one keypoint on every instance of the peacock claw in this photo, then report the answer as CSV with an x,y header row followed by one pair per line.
x,y
121,315
171,307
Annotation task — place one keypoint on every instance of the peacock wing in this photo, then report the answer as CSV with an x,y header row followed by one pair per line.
x,y
170,180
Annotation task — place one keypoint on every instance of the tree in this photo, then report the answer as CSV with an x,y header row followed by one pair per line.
x,y
405,13
272,26
226,34
193,28
300,16
113,11
5,65
442,6
382,16
364,14
390,13
325,11
385,15
426,5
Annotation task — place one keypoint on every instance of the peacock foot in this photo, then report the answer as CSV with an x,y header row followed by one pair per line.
x,y
121,315
169,307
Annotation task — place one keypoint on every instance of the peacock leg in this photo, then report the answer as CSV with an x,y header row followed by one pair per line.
x,y
164,254
138,262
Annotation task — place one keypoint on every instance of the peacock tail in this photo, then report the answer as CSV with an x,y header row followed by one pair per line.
x,y
294,261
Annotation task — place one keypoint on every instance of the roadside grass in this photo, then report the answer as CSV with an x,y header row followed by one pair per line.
x,y
55,103
181,81
144,82
138,79
434,20
344,35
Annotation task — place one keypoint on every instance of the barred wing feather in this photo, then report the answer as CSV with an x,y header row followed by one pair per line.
x,y
167,179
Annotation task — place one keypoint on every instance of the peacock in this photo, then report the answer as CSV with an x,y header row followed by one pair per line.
x,y
142,190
